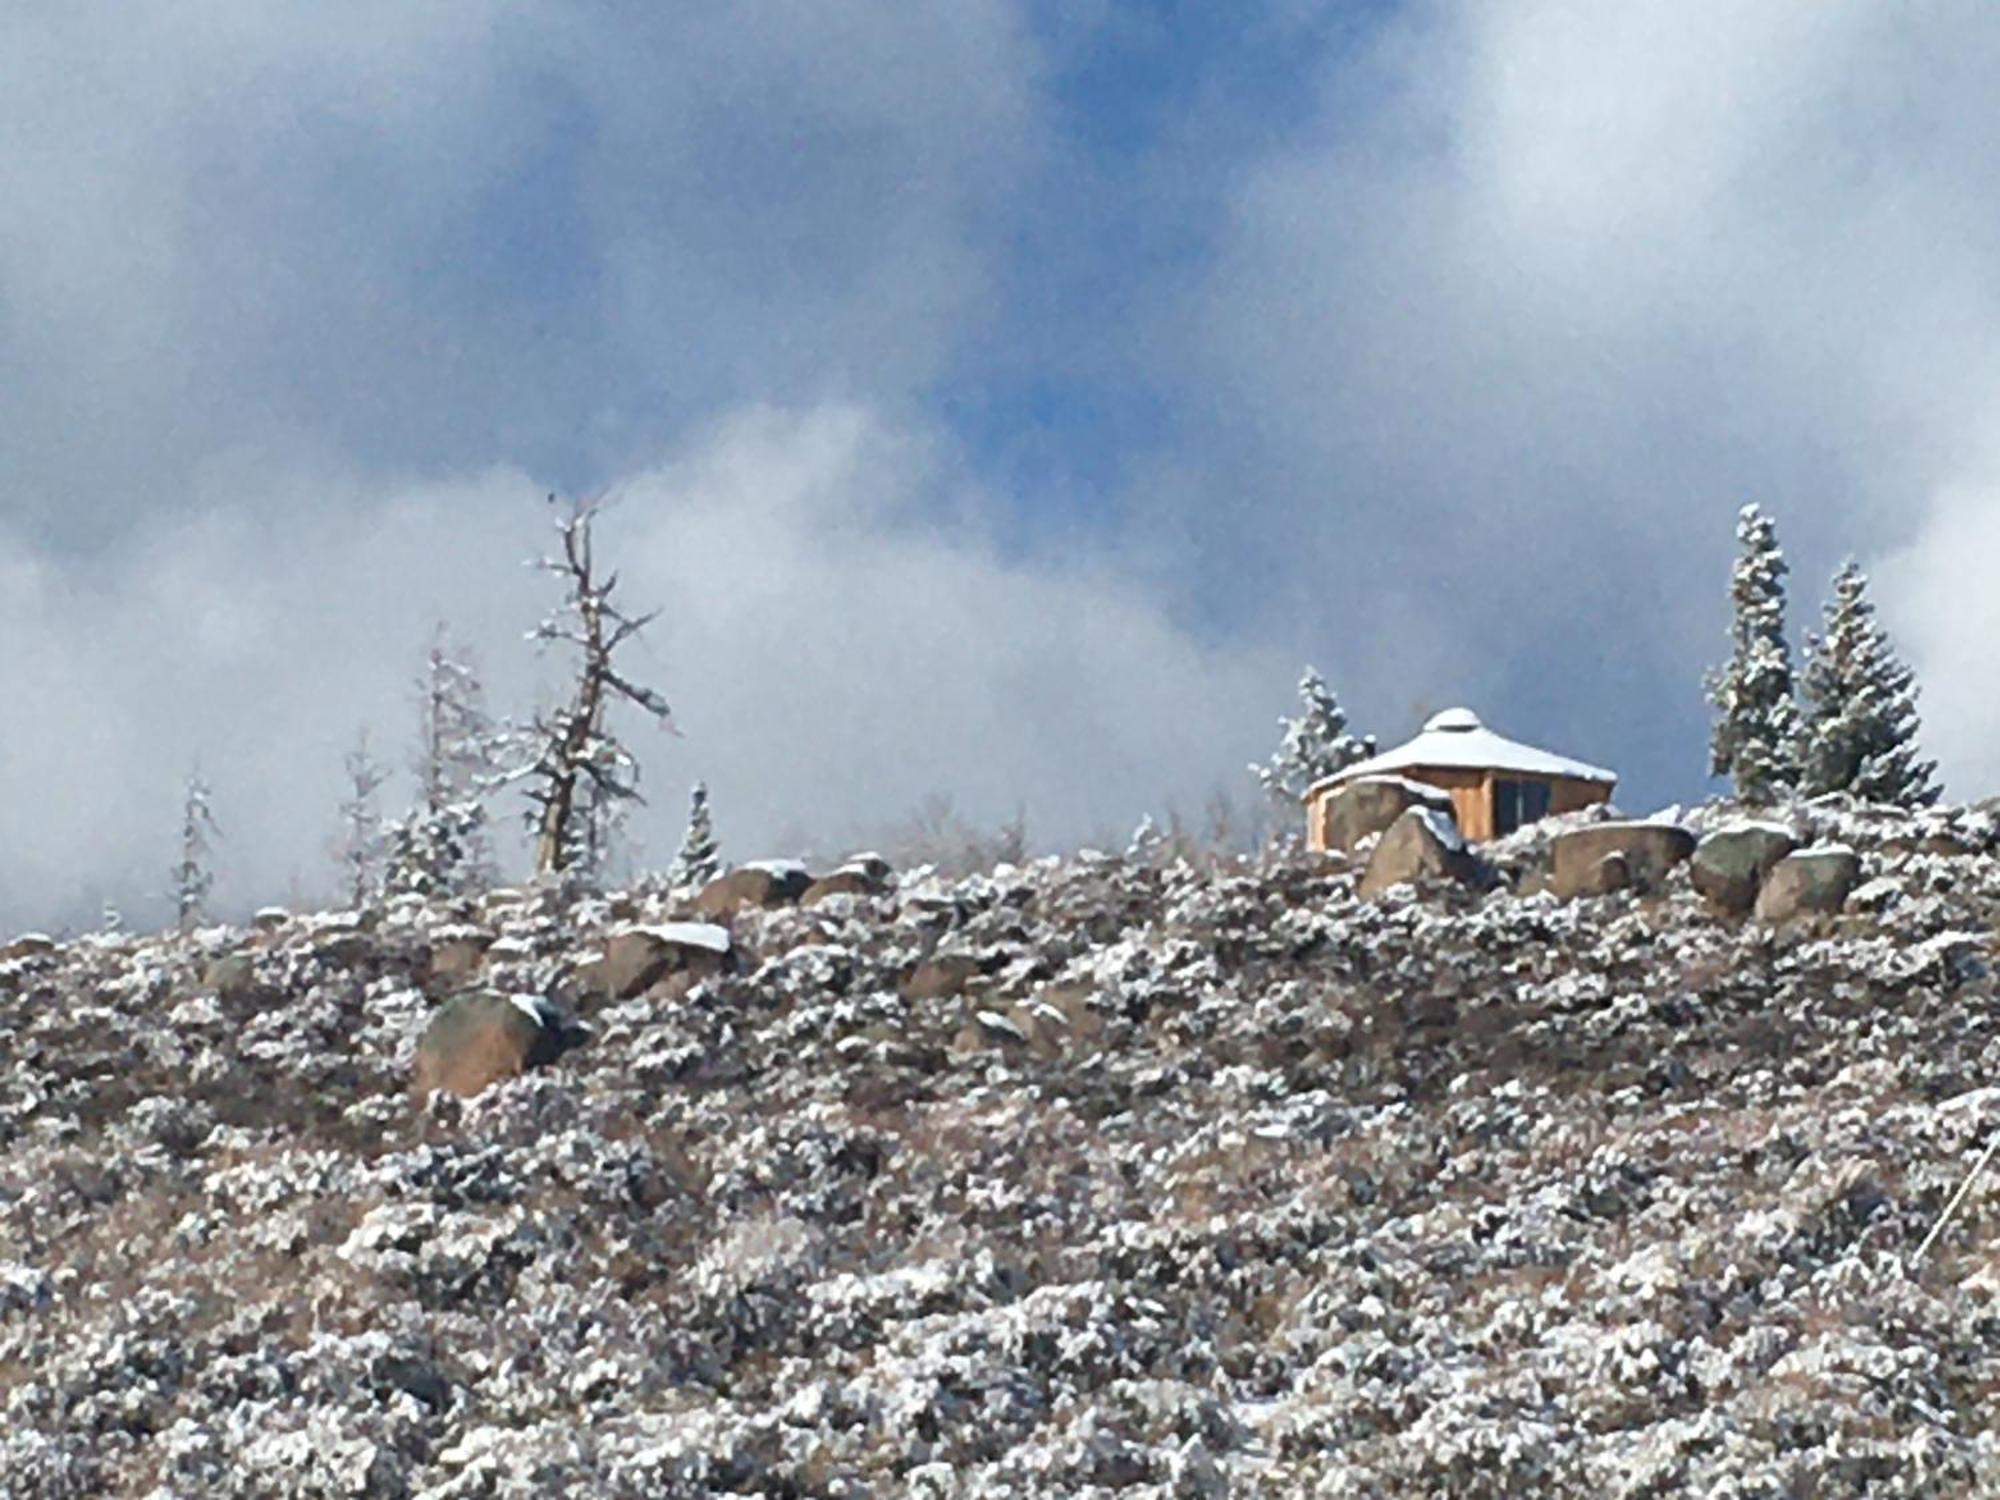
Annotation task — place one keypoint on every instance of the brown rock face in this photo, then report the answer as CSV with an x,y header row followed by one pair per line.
x,y
1812,882
1730,864
1422,844
455,962
1371,805
637,958
1610,874
841,883
475,1041
728,894
1649,851
941,977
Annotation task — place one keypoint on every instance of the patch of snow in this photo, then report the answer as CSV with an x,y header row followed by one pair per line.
x,y
706,935
1442,828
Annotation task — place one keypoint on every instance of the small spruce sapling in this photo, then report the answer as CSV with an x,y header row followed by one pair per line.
x,y
440,847
1755,742
1860,699
1315,745
192,875
699,860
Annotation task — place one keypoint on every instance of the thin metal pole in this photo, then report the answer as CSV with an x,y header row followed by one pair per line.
x,y
1992,1145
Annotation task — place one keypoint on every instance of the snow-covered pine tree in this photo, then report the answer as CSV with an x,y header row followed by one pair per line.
x,y
699,860
578,773
192,877
1146,842
440,847
1316,744
1755,742
1860,707
359,847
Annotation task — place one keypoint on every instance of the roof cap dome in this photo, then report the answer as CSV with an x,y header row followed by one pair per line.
x,y
1453,721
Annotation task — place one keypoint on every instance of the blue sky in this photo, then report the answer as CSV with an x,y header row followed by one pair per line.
x,y
1006,399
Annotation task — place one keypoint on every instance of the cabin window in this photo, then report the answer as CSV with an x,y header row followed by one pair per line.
x,y
1518,802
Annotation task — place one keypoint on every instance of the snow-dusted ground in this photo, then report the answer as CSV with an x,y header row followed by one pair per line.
x,y
1215,1183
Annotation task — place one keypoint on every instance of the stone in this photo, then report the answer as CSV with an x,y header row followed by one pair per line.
x,y
1370,805
1649,851
478,1040
230,977
763,886
941,976
1422,844
455,962
842,882
1610,874
637,958
1728,866
1811,882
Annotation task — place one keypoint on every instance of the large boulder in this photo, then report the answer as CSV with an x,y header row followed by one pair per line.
x,y
1422,844
1371,804
765,884
1647,851
863,875
1728,866
1812,882
637,957
478,1040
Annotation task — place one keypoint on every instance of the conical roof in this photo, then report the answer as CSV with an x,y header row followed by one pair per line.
x,y
1456,740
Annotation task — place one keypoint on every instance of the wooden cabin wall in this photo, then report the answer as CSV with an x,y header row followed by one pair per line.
x,y
1471,797
1568,796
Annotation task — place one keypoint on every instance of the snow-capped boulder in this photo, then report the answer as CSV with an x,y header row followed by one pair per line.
x,y
863,875
28,945
1648,850
1811,882
767,884
1729,865
478,1040
1422,844
1369,805
636,958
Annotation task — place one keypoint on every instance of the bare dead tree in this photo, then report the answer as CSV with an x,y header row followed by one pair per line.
x,y
579,775
359,847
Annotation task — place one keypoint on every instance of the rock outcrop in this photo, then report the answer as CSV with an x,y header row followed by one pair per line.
x,y
1422,844
1647,852
760,885
1812,882
1371,804
1728,866
475,1041
636,958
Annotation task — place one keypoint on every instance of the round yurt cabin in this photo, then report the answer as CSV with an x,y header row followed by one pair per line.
x,y
1496,784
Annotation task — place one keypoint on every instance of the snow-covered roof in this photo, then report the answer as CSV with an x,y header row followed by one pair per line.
x,y
1456,740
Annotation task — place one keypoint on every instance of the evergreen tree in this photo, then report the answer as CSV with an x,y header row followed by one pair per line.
x,y
1860,732
1755,741
359,848
1315,745
441,846
192,877
699,859
1146,842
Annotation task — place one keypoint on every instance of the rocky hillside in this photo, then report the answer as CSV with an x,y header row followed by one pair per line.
x,y
1080,1177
